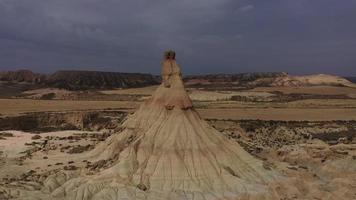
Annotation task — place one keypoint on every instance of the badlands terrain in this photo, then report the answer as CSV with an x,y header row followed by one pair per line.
x,y
304,127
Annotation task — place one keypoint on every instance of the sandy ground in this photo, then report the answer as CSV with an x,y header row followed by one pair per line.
x,y
17,106
13,146
317,169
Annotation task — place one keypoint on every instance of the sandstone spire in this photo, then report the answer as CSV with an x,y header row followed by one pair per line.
x,y
166,151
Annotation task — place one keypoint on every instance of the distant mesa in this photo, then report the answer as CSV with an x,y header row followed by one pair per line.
x,y
22,76
78,80
269,79
242,79
86,80
81,80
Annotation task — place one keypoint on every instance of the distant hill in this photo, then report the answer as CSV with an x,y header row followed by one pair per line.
x,y
236,78
22,76
80,80
312,80
268,79
241,80
85,80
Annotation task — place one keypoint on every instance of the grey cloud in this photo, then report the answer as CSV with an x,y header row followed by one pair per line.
x,y
209,35
246,8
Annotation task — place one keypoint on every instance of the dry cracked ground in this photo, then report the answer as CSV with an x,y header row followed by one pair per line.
x,y
305,133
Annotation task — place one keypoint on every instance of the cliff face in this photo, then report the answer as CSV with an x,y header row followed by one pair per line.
x,y
55,121
79,80
243,77
85,80
22,76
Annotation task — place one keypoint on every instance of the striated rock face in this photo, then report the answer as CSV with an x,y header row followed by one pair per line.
x,y
166,151
85,80
255,135
167,154
54,121
79,80
22,76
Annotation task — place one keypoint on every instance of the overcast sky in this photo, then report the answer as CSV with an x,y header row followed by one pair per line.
x,y
209,36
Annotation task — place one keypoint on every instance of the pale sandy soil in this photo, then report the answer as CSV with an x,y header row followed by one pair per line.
x,y
320,79
314,168
316,79
17,106
13,149
13,146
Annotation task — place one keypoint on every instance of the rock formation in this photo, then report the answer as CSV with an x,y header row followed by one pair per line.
x,y
87,80
240,80
312,80
83,80
166,151
80,80
22,76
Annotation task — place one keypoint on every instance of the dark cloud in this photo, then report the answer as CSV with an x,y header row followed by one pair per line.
x,y
297,36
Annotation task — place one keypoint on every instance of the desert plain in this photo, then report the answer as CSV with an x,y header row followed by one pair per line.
x,y
306,132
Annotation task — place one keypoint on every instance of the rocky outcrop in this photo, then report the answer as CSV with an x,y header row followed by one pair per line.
x,y
312,80
167,151
55,121
80,80
22,76
86,80
83,80
254,135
